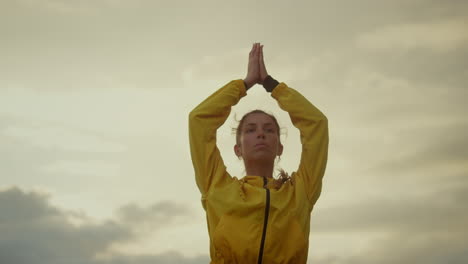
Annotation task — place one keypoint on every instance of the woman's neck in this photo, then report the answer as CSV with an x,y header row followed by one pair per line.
x,y
264,169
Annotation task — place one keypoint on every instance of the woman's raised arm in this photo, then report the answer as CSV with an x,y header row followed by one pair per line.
x,y
205,120
313,127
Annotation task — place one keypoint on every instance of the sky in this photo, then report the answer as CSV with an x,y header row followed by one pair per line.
x,y
95,165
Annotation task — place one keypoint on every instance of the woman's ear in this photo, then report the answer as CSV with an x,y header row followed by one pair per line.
x,y
237,150
280,149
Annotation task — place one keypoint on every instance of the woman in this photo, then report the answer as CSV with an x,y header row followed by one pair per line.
x,y
258,219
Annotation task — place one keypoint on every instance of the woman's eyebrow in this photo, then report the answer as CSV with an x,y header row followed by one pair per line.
x,y
255,124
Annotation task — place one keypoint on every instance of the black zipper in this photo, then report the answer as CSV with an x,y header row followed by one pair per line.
x,y
265,221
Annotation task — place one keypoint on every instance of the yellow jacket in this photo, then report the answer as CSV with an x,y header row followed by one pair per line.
x,y
247,222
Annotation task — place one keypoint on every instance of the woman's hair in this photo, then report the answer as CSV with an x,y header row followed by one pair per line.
x,y
283,176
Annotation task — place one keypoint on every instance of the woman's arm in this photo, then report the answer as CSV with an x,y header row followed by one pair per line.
x,y
205,120
313,127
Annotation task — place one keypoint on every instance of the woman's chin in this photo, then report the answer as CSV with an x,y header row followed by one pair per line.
x,y
262,156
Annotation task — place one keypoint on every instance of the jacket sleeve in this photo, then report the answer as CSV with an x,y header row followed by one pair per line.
x,y
313,127
204,121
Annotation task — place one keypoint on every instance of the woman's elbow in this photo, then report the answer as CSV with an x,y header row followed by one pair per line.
x,y
193,115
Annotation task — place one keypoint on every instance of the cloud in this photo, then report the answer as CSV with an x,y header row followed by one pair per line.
x,y
34,231
213,70
399,125
155,216
82,168
440,151
65,7
410,228
432,248
439,36
285,65
439,211
171,257
396,119
406,249
54,137
55,153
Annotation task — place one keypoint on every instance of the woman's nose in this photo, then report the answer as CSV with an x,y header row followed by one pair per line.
x,y
261,135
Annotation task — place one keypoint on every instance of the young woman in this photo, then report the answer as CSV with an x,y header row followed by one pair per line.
x,y
257,218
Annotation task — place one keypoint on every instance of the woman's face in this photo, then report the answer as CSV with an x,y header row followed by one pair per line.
x,y
259,138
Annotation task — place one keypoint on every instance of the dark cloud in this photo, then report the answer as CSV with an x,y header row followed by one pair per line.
x,y
34,231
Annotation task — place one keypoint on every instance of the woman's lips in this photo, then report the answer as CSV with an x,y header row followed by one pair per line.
x,y
261,145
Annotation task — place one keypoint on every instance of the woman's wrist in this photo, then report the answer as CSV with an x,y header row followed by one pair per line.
x,y
248,83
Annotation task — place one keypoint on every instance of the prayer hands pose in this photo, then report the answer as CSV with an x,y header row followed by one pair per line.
x,y
256,70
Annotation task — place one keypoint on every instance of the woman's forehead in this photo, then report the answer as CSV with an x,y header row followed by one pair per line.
x,y
258,118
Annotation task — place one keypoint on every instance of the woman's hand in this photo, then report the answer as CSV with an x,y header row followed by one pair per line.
x,y
262,70
253,69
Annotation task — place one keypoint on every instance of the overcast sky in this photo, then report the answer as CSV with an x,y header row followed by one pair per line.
x,y
94,102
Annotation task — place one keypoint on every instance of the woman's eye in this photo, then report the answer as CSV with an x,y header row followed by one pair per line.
x,y
270,130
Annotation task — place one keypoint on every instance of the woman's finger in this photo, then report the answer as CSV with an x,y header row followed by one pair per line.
x,y
258,50
261,56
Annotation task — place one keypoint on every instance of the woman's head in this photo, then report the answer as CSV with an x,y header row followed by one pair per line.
x,y
258,137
